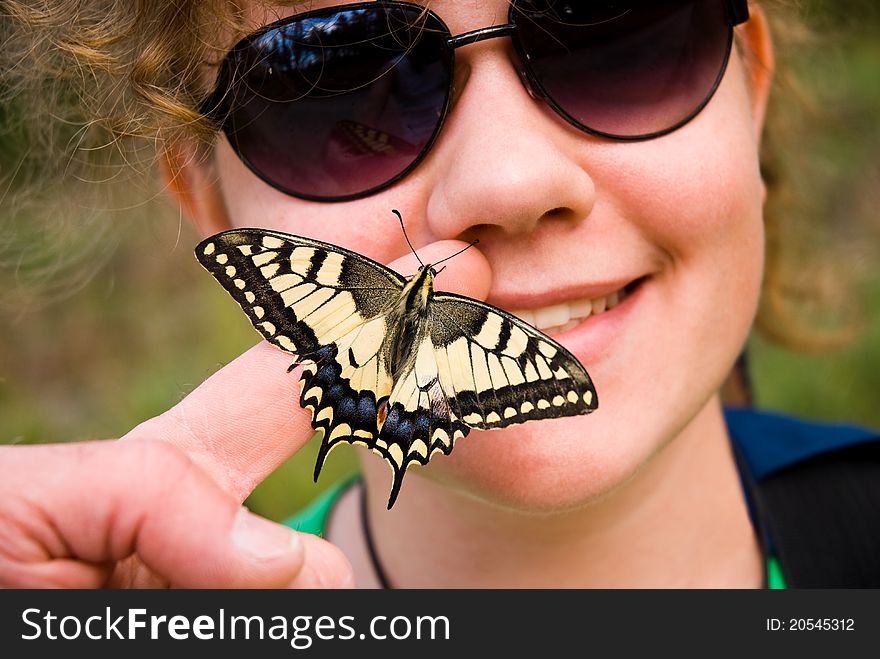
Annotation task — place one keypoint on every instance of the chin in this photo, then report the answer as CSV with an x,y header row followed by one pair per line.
x,y
551,467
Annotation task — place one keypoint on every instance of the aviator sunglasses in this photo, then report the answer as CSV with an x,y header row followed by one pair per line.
x,y
340,103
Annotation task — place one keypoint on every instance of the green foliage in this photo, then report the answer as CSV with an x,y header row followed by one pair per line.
x,y
842,385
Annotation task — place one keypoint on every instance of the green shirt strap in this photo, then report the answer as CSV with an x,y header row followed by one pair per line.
x,y
775,579
314,517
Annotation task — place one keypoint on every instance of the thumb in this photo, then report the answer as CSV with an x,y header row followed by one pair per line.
x,y
100,502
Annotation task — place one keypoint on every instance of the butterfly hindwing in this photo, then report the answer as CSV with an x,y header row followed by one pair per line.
x,y
419,419
499,371
344,387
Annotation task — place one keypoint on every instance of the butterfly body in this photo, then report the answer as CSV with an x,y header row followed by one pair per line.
x,y
409,320
389,363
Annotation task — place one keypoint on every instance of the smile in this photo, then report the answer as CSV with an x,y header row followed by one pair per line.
x,y
558,318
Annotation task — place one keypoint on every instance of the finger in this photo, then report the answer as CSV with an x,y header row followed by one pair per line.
x,y
468,273
241,423
98,502
245,420
325,566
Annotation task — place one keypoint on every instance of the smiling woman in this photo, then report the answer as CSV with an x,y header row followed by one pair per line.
x,y
608,159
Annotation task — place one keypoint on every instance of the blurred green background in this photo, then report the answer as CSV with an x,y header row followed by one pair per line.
x,y
88,352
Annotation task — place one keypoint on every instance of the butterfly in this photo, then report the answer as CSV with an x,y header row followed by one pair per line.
x,y
387,362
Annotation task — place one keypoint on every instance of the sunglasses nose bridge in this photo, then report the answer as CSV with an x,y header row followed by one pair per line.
x,y
494,32
481,34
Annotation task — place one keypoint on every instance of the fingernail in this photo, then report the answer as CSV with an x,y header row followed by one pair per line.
x,y
263,539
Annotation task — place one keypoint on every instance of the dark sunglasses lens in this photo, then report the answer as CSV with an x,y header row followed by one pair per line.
x,y
339,103
625,69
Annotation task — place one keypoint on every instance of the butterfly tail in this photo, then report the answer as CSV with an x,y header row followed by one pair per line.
x,y
322,454
396,484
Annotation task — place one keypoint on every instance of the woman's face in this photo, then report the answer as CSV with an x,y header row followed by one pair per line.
x,y
562,218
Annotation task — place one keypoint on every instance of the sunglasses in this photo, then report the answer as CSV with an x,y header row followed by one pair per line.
x,y
340,103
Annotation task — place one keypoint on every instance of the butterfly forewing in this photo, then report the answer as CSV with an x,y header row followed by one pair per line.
x,y
300,294
498,371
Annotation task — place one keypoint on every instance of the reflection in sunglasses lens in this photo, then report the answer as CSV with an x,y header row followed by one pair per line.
x,y
337,104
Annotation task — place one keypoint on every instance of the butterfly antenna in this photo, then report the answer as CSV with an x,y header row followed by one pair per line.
x,y
463,249
400,217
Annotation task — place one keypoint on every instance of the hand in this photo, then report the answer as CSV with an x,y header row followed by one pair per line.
x,y
162,506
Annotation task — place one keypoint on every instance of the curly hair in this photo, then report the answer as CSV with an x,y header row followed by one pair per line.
x,y
91,89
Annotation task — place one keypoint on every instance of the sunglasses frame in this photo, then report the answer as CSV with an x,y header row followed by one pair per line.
x,y
214,106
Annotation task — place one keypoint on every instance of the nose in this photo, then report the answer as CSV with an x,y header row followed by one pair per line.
x,y
504,159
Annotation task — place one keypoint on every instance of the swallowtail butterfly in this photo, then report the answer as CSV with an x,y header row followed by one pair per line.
x,y
387,362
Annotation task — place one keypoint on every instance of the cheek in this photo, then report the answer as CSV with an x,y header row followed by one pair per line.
x,y
697,196
697,192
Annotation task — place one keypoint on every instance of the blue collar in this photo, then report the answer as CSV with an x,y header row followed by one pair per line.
x,y
770,441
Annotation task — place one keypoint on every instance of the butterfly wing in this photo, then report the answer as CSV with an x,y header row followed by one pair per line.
x,y
497,370
328,306
300,294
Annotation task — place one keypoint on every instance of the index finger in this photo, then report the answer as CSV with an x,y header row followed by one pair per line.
x,y
245,420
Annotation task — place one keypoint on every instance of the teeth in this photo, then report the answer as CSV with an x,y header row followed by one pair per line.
x,y
527,315
558,329
558,314
568,315
581,308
